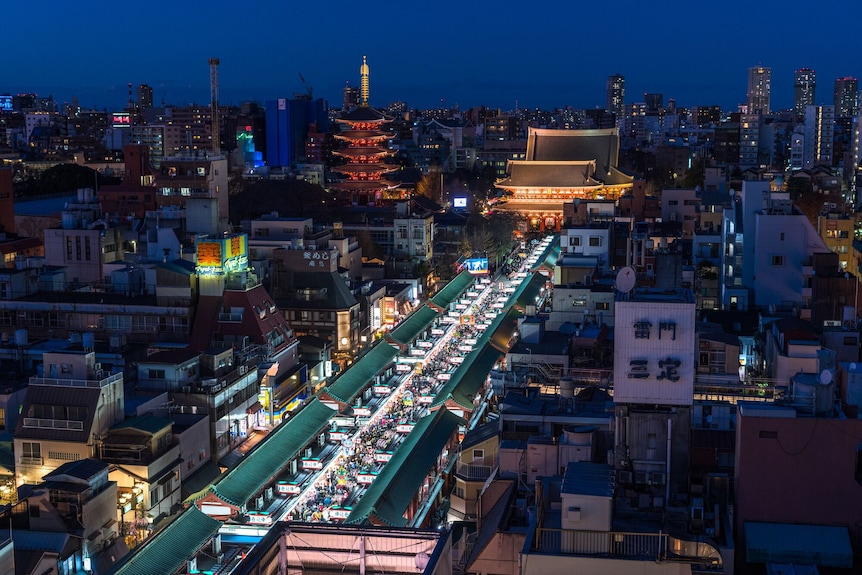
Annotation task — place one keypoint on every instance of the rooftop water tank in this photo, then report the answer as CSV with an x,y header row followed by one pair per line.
x,y
582,435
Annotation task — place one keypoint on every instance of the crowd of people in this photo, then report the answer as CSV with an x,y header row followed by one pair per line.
x,y
343,482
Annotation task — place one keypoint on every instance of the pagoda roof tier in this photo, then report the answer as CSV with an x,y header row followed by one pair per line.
x,y
364,168
360,151
363,114
363,185
555,175
364,135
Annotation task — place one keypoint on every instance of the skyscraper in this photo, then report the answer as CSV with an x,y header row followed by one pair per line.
x,y
351,98
616,95
287,122
145,97
803,90
759,81
846,97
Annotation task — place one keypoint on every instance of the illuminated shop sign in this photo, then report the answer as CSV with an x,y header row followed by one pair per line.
x,y
222,255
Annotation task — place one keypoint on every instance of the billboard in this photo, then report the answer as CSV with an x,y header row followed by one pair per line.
x,y
459,202
219,255
5,103
122,120
476,265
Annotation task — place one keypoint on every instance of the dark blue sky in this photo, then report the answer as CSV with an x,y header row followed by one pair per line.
x,y
540,54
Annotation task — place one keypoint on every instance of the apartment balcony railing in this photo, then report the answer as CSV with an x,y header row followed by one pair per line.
x,y
473,472
60,382
53,423
647,546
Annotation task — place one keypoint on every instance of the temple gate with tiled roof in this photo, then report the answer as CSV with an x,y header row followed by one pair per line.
x,y
561,166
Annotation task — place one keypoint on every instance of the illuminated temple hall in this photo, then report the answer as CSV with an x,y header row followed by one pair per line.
x,y
364,150
560,166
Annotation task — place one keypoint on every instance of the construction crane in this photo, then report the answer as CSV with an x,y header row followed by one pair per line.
x,y
308,89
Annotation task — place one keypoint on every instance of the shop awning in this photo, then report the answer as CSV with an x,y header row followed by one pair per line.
x,y
801,544
254,408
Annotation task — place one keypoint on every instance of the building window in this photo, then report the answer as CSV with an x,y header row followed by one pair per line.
x,y
595,241
603,306
478,454
31,450
768,434
574,240
777,260
155,373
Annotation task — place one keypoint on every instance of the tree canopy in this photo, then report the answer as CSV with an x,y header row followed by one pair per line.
x,y
294,198
62,178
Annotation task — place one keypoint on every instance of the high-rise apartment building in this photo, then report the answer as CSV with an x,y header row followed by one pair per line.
x,y
846,97
145,97
616,95
819,130
805,81
749,140
759,81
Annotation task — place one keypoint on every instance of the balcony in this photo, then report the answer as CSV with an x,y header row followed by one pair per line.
x,y
472,472
626,545
53,423
57,382
617,544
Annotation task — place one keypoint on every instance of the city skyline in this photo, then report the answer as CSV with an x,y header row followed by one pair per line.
x,y
473,58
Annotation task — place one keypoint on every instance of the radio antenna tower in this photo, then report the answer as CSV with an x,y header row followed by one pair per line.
x,y
214,62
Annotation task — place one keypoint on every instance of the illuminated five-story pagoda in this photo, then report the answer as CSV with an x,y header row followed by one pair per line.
x,y
363,146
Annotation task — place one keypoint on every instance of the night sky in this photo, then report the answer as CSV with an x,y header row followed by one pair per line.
x,y
536,54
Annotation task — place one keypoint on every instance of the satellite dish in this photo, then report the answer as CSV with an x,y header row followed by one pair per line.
x,y
825,377
626,279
